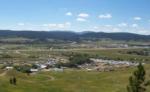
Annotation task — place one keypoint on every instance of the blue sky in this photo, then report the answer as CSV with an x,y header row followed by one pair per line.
x,y
76,15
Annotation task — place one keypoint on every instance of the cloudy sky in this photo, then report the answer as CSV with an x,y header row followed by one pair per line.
x,y
76,15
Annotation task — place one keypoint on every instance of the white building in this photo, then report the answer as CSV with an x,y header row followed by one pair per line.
x,y
34,70
9,68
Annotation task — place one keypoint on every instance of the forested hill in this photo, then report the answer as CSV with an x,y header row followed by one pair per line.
x,y
73,36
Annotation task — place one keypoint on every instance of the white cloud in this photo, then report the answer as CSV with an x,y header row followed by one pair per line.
x,y
134,25
143,31
123,25
50,25
69,14
21,24
105,16
83,15
81,19
45,25
137,18
68,23
107,28
61,25
58,26
41,27
108,25
134,28
95,27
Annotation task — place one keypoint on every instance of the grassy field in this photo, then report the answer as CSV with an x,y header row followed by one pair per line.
x,y
43,52
68,81
115,54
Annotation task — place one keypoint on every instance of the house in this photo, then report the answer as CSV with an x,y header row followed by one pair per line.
x,y
34,70
43,66
9,68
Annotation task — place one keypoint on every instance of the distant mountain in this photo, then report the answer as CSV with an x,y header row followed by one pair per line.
x,y
117,36
73,36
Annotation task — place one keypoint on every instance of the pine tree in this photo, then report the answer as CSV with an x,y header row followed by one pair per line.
x,y
137,81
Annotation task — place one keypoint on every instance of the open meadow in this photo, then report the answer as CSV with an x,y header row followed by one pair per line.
x,y
68,81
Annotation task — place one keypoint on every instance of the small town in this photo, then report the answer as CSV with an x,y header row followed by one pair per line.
x,y
96,65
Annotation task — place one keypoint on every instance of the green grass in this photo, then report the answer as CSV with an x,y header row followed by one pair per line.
x,y
114,54
42,53
69,81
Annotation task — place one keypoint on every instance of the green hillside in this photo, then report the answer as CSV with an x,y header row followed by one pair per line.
x,y
68,81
